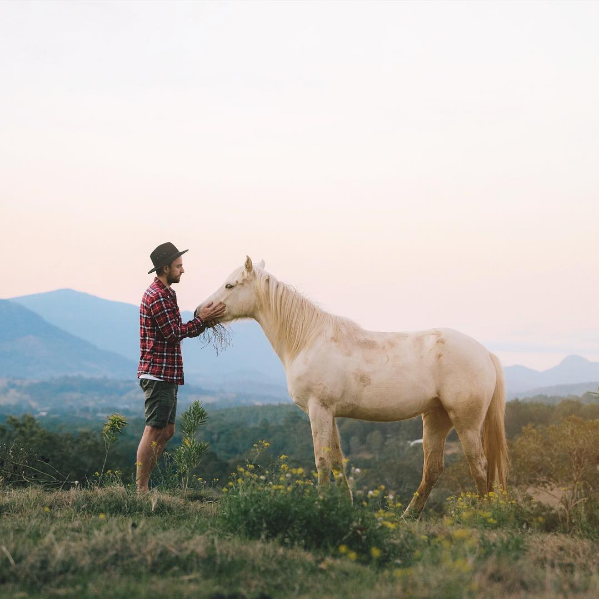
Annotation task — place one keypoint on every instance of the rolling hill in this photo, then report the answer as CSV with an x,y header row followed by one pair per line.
x,y
32,348
114,326
251,362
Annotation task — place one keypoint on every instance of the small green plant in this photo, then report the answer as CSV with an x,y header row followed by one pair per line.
x,y
113,427
188,456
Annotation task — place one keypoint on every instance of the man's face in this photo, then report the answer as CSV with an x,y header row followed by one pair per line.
x,y
174,271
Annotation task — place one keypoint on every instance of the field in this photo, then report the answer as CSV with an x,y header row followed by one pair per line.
x,y
110,542
258,527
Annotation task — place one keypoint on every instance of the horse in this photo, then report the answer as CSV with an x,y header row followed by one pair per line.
x,y
335,368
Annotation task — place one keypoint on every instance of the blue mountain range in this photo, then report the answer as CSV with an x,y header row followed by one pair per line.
x,y
69,332
114,327
32,348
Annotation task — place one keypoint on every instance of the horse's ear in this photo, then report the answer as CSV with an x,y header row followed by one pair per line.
x,y
261,264
248,264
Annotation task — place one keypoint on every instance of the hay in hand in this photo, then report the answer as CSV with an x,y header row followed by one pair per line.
x,y
218,335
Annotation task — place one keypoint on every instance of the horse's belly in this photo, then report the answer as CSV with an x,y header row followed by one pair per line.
x,y
388,402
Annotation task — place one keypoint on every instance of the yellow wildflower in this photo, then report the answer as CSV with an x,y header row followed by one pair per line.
x,y
462,565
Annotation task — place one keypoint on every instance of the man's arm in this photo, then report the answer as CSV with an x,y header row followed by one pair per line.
x,y
165,315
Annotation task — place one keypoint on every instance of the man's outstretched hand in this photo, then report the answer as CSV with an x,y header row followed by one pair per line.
x,y
210,312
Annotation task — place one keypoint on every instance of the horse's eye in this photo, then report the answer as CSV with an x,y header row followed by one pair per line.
x,y
228,286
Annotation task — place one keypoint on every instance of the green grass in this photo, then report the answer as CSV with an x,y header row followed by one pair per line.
x,y
110,542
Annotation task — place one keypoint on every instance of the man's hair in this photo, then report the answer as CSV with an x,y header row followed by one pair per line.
x,y
160,271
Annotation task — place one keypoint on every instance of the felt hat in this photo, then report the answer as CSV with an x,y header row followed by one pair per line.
x,y
164,254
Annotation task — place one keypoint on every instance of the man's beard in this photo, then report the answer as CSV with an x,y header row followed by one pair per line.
x,y
172,280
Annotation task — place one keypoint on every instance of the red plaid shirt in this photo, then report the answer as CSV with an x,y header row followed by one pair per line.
x,y
161,331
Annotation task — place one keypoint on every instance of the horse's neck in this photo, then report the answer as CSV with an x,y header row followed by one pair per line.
x,y
271,330
290,330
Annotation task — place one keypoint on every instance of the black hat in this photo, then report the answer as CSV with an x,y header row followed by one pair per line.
x,y
164,254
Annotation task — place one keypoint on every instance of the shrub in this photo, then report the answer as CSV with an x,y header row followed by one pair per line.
x,y
283,503
562,460
500,510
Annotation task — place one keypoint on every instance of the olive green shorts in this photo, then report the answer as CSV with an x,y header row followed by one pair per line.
x,y
161,402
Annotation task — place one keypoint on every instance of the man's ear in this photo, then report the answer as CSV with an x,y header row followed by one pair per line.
x,y
261,264
249,267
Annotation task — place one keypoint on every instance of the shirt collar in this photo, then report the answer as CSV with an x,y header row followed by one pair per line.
x,y
161,285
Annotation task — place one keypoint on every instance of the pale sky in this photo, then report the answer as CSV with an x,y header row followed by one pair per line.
x,y
408,164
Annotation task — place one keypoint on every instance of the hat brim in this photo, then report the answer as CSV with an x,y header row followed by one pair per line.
x,y
168,261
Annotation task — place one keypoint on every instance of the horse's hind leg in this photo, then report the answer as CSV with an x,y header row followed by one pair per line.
x,y
436,426
322,422
469,431
337,457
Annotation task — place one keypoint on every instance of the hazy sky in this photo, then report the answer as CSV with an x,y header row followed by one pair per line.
x,y
408,164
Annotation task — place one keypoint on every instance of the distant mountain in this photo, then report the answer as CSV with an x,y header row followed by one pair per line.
x,y
109,325
572,390
251,362
114,326
572,370
32,348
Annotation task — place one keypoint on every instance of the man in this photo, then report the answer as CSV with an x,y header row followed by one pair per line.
x,y
160,370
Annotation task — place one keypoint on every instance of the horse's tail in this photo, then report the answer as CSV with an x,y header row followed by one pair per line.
x,y
494,442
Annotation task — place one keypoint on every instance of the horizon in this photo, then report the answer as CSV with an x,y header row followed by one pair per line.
x,y
540,362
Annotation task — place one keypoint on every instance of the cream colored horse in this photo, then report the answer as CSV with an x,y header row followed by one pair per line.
x,y
336,368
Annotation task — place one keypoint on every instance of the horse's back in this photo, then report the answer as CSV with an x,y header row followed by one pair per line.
x,y
390,376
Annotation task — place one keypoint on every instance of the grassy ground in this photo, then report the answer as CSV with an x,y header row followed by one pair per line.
x,y
109,542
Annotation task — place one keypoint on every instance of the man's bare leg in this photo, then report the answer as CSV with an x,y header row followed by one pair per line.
x,y
149,451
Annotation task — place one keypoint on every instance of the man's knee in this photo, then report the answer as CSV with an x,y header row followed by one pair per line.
x,y
154,432
160,434
169,431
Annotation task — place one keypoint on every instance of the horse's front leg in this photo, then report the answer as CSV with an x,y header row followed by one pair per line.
x,y
337,460
321,421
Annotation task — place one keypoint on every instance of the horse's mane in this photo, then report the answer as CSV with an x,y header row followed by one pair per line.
x,y
296,319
